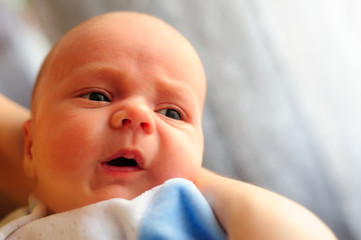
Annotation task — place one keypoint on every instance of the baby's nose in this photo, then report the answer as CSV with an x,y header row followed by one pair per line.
x,y
134,116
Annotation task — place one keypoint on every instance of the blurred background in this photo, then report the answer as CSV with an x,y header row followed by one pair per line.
x,y
283,108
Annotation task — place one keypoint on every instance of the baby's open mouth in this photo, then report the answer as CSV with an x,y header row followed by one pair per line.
x,y
123,162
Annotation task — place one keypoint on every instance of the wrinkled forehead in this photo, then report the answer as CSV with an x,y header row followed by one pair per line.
x,y
123,34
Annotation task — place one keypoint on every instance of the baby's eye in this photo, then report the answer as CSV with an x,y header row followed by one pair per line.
x,y
96,96
171,113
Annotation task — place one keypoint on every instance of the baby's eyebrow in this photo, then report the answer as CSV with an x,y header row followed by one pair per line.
x,y
95,70
180,94
92,74
170,87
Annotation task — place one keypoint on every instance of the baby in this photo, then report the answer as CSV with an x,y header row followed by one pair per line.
x,y
117,110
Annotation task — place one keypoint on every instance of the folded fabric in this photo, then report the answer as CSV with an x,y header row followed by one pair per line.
x,y
173,210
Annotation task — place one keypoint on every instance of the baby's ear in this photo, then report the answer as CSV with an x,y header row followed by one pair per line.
x,y
29,164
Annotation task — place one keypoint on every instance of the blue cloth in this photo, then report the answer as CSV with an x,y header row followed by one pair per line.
x,y
179,211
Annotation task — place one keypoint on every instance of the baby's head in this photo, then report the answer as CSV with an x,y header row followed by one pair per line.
x,y
116,111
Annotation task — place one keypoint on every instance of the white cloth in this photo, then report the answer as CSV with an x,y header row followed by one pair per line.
x,y
173,210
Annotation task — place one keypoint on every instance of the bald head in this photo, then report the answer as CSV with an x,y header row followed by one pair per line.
x,y
146,36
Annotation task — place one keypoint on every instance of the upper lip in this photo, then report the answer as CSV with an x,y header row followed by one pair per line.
x,y
125,154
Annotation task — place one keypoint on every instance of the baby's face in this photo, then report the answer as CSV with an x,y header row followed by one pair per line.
x,y
118,112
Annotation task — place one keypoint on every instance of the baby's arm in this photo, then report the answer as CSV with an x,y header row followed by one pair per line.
x,y
14,185
249,212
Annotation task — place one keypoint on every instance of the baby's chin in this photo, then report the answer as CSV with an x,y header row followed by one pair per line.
x,y
106,194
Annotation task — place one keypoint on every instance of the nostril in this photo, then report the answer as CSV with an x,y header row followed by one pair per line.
x,y
148,127
126,121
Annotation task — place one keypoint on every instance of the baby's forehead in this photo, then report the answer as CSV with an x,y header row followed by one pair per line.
x,y
137,32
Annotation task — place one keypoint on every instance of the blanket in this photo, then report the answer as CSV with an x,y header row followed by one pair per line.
x,y
173,210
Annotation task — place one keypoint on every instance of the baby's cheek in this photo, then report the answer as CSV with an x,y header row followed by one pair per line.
x,y
69,147
186,149
184,160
